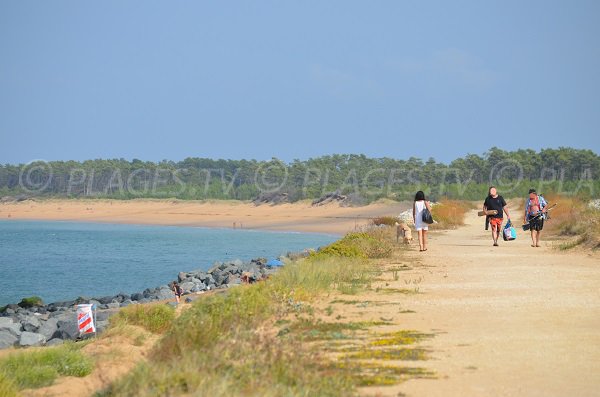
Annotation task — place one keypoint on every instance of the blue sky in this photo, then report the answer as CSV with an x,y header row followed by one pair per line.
x,y
295,79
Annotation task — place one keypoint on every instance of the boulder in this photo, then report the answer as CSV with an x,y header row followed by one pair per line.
x,y
126,303
113,305
182,276
209,279
7,339
138,296
31,339
7,324
164,294
48,328
104,315
55,342
67,326
199,287
106,299
31,324
187,286
122,297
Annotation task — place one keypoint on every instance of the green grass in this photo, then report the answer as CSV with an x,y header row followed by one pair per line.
x,y
216,348
31,302
156,318
375,374
318,330
39,368
403,337
7,386
389,354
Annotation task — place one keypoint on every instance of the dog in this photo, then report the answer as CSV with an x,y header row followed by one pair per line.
x,y
402,230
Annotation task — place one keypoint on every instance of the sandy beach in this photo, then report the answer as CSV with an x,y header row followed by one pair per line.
x,y
298,217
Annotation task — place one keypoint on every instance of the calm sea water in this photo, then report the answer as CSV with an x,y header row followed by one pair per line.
x,y
64,260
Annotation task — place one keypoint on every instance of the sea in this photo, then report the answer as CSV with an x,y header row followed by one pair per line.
x,y
60,261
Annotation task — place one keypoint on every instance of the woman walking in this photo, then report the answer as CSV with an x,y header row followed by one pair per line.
x,y
418,206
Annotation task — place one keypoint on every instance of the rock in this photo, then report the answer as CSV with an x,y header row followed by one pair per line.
x,y
113,305
237,263
182,276
122,297
31,339
67,326
7,339
188,300
126,303
164,294
199,287
104,315
137,296
101,326
8,325
48,328
219,278
31,324
106,299
209,279
94,302
187,286
55,342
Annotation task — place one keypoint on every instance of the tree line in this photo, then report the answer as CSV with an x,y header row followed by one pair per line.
x,y
562,170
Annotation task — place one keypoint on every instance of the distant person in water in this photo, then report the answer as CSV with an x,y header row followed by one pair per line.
x,y
495,202
535,213
177,291
418,206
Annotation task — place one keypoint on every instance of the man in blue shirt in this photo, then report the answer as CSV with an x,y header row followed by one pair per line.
x,y
535,213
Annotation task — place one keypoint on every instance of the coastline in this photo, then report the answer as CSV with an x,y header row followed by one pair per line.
x,y
299,217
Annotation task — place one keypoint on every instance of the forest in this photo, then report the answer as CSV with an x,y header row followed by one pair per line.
x,y
363,179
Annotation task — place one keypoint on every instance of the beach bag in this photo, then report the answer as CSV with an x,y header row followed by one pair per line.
x,y
426,217
509,233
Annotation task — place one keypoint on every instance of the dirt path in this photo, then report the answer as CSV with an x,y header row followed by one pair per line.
x,y
509,321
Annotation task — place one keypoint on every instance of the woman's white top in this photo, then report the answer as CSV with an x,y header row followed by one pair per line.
x,y
419,207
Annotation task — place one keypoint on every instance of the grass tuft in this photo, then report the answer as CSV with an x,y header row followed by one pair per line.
x,y
156,318
39,368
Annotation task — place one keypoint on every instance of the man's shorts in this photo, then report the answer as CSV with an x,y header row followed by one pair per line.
x,y
496,222
536,224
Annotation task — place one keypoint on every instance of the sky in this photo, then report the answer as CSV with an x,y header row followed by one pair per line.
x,y
158,80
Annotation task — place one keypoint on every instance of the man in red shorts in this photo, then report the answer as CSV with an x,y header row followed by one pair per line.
x,y
495,202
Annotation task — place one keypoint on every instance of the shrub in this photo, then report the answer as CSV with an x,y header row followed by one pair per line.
x,y
156,318
385,220
450,213
369,244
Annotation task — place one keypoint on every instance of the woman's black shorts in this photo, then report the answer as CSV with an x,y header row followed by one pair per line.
x,y
536,224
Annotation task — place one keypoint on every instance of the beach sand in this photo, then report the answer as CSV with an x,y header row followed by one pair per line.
x,y
298,217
